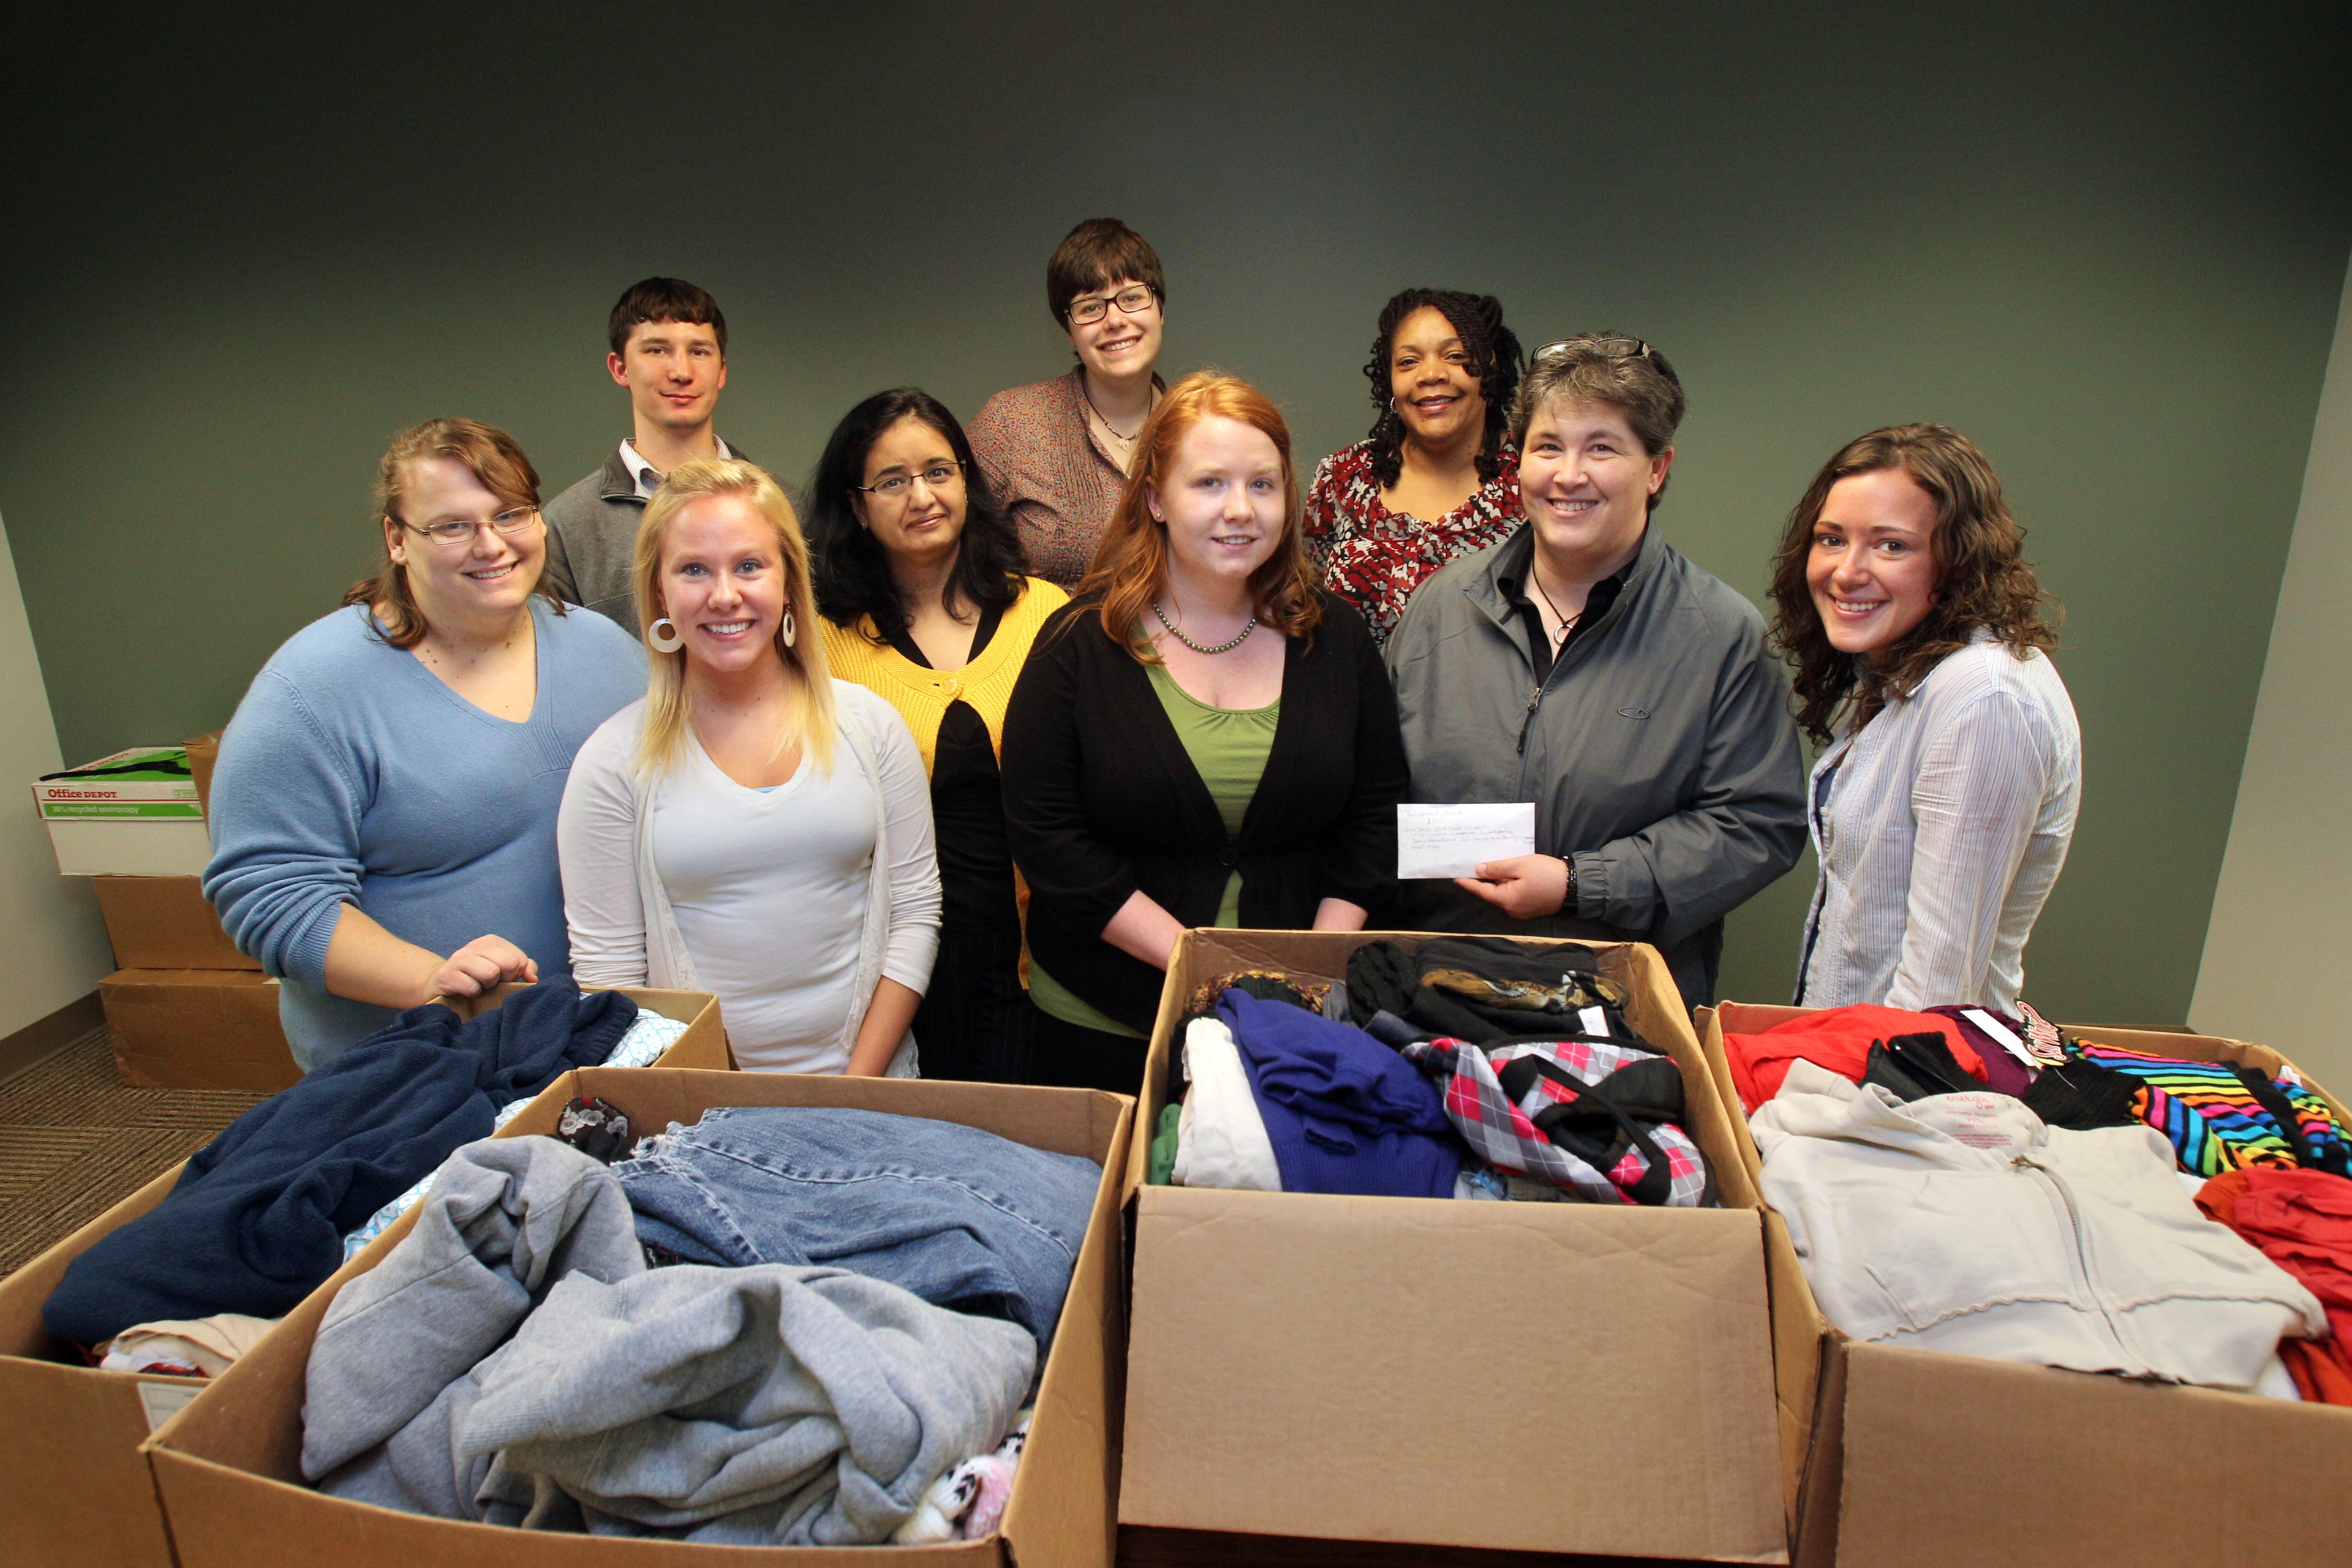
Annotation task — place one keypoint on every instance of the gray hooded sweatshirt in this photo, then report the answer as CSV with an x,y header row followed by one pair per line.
x,y
513,1361
1659,752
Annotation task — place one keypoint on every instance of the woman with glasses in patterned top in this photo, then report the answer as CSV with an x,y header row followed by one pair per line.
x,y
383,811
1438,476
926,603
1057,452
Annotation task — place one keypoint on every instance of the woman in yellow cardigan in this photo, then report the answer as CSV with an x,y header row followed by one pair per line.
x,y
925,601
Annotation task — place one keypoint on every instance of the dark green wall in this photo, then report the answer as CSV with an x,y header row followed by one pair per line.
x,y
2107,244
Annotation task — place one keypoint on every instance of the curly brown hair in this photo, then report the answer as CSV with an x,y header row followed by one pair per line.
x,y
1983,579
1130,565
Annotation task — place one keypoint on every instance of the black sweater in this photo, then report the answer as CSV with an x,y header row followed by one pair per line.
x,y
1101,800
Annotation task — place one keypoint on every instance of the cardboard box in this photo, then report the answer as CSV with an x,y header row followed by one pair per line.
x,y
1898,1456
203,755
133,813
75,1490
164,923
228,1468
1523,1376
197,1028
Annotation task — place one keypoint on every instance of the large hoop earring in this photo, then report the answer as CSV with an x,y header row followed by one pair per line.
x,y
670,641
789,631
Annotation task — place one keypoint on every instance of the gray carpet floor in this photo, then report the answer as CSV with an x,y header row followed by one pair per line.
x,y
75,1141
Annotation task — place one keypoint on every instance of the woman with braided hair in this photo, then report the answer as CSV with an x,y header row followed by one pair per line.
x,y
1438,476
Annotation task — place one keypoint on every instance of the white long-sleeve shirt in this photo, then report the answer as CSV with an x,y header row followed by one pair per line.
x,y
767,888
1940,827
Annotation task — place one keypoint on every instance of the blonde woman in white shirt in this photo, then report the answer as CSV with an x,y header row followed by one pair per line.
x,y
752,827
1941,809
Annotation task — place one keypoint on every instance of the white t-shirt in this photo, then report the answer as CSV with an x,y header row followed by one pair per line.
x,y
767,888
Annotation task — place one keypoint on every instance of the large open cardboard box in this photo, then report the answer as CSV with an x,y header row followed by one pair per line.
x,y
74,1490
1895,1456
228,1468
1522,1376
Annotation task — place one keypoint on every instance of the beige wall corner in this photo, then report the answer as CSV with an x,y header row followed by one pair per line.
x,y
49,927
2277,948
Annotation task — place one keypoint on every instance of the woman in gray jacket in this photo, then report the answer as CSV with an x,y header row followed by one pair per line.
x,y
1583,664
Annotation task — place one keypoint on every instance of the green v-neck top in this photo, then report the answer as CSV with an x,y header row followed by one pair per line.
x,y
1228,747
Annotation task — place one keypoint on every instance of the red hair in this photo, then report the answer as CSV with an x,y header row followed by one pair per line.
x,y
1130,565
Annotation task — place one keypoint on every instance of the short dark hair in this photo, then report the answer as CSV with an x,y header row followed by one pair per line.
x,y
851,573
1095,255
1493,351
667,299
1592,367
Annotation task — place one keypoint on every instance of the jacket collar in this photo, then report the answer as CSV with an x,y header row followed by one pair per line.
x,y
1510,560
616,482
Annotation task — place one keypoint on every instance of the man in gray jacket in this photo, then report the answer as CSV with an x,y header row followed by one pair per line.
x,y
669,350
1585,665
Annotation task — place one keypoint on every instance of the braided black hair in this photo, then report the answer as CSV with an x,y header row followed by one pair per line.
x,y
1495,357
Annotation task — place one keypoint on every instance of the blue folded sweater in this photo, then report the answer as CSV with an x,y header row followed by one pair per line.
x,y
257,1218
1345,1113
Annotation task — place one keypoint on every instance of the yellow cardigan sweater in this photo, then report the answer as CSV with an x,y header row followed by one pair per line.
x,y
922,696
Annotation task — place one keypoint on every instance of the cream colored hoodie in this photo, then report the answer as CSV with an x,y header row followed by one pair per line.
x,y
1961,1223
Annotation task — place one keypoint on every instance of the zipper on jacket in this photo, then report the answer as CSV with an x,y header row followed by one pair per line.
x,y
1534,700
2130,1366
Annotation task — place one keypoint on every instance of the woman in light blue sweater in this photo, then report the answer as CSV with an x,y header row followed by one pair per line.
x,y
384,810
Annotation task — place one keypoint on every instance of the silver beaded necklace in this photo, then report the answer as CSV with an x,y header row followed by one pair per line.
x,y
1196,647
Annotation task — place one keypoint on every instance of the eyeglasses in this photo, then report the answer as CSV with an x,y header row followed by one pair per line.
x,y
453,532
1133,301
938,476
1602,348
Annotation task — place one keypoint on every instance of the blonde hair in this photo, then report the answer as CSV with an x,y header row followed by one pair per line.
x,y
661,743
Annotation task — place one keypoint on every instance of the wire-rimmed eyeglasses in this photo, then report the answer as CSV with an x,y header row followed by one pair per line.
x,y
890,487
454,532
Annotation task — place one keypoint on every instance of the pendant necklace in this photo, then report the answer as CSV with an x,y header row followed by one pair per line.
x,y
1567,622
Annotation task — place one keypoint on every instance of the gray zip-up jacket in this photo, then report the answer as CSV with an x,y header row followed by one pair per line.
x,y
1660,753
591,541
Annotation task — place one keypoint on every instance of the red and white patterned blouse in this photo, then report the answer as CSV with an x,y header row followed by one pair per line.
x,y
1375,558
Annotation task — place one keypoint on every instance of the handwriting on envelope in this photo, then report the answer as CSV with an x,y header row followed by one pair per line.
x,y
1450,840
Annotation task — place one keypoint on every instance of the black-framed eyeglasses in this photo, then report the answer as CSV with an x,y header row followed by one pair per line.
x,y
938,476
453,532
1603,348
1132,301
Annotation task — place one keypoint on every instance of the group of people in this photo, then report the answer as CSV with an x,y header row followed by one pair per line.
x,y
928,772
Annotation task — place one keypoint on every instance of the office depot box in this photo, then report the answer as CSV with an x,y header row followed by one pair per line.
x,y
133,813
1898,1455
1554,1377
228,1468
75,1492
164,923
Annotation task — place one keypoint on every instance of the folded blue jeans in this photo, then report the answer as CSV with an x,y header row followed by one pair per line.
x,y
958,1217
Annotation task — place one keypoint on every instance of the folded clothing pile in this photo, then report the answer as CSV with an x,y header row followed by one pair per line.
x,y
2218,1116
199,1347
2302,1221
257,1219
1840,1039
863,1314
1963,1223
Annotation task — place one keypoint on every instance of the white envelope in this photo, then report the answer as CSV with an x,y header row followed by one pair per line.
x,y
1452,840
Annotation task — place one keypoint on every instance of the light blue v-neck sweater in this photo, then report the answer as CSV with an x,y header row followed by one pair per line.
x,y
352,774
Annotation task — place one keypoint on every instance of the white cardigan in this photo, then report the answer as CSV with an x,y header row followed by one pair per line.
x,y
1946,823
632,937
1960,1223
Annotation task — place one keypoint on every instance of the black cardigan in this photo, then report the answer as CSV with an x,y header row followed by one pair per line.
x,y
1101,799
